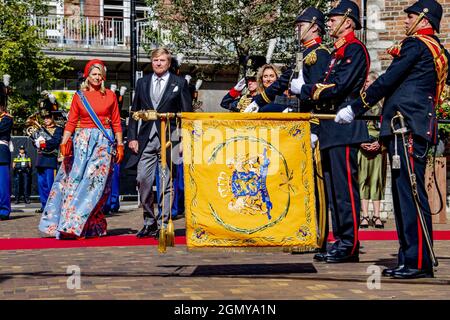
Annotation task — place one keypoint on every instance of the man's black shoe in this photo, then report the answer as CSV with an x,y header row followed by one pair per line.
x,y
27,201
321,256
4,218
40,210
341,257
408,273
17,201
388,272
148,231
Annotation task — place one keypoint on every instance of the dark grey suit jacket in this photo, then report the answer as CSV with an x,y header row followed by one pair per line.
x,y
176,98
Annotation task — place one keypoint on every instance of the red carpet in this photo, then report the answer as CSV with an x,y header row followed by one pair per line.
x,y
131,240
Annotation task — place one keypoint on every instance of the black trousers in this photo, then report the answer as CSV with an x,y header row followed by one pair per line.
x,y
340,169
22,184
413,251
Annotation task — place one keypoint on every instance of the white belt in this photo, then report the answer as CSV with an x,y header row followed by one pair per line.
x,y
6,143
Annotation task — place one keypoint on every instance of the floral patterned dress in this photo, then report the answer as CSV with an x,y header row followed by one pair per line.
x,y
81,187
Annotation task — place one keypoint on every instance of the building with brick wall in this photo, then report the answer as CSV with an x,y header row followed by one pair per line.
x,y
385,26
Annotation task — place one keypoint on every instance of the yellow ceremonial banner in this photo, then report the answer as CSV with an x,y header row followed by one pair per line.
x,y
248,180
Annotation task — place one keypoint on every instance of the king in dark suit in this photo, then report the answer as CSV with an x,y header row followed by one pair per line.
x,y
164,92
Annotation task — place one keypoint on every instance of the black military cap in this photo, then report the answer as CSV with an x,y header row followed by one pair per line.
x,y
431,9
22,147
342,8
252,64
312,14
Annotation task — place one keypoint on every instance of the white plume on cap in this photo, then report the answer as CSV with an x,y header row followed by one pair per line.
x,y
6,78
51,97
270,49
180,58
188,78
198,84
122,91
113,87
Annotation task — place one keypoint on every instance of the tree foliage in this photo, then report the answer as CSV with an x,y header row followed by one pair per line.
x,y
227,30
21,55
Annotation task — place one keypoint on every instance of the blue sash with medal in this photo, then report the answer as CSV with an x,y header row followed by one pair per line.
x,y
98,123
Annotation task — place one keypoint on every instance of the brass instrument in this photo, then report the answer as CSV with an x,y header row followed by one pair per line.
x,y
34,129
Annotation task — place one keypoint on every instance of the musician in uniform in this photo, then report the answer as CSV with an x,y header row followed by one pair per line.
x,y
6,123
237,99
411,86
22,176
339,145
47,145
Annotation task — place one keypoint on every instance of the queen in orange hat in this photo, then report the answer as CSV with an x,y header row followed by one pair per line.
x,y
82,185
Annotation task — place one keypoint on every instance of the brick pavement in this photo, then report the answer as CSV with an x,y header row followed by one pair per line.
x,y
142,273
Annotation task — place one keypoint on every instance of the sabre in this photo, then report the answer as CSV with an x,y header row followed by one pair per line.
x,y
412,179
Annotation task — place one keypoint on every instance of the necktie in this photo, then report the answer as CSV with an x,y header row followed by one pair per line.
x,y
158,89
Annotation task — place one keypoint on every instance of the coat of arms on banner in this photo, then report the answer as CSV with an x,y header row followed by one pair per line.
x,y
248,182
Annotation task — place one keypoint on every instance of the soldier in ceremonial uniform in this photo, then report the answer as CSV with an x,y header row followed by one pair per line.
x,y
47,153
412,86
346,75
316,57
22,176
310,25
6,123
236,100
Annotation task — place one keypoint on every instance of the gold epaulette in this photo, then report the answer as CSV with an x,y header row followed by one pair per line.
x,y
311,58
314,121
321,87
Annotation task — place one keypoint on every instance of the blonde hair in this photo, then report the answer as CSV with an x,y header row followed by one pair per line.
x,y
85,84
259,76
159,52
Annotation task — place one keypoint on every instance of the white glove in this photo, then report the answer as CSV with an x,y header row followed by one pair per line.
x,y
122,91
345,115
240,85
252,107
297,84
287,110
188,78
38,141
314,139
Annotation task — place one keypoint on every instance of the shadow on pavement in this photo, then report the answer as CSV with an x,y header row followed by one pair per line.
x,y
15,217
246,269
121,231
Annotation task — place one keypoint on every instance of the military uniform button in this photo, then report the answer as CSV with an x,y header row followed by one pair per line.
x,y
430,114
428,132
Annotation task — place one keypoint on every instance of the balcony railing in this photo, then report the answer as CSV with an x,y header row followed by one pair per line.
x,y
94,31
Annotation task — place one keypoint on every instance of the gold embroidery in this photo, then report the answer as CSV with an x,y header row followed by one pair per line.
x,y
363,99
265,97
311,58
319,88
